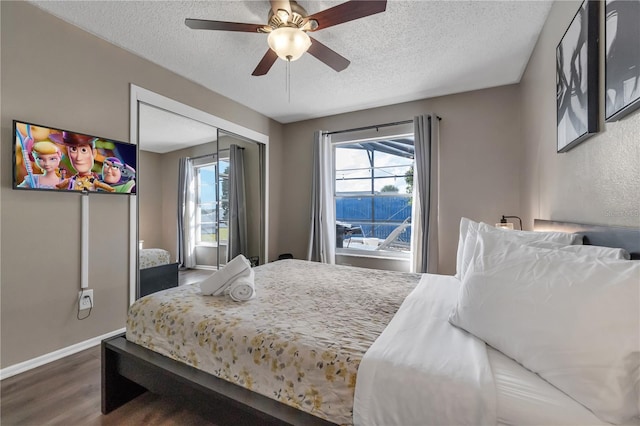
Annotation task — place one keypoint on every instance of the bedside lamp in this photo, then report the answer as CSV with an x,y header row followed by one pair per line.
x,y
508,225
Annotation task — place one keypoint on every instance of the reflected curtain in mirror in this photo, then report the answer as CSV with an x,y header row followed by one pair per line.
x,y
237,204
186,212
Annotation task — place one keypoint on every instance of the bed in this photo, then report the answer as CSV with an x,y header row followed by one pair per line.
x,y
156,271
172,366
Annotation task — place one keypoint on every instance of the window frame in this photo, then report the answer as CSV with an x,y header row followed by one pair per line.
x,y
357,252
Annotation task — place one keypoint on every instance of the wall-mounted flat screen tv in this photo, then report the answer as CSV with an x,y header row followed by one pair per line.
x,y
49,159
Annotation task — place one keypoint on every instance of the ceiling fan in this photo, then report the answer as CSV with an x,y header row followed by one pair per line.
x,y
288,25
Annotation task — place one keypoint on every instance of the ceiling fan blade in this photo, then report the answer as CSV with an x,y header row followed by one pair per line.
x,y
203,24
266,63
280,4
328,56
345,12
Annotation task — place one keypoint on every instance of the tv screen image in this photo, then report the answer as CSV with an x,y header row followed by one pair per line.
x,y
50,159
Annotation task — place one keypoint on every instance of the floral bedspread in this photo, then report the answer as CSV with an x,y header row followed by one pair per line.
x,y
153,257
299,341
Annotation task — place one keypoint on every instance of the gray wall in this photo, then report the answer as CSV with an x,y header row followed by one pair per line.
x,y
596,182
56,74
401,265
479,162
149,175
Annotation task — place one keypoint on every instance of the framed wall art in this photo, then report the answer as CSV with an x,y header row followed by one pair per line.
x,y
622,58
577,78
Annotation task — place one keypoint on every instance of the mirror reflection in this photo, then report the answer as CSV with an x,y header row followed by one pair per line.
x,y
203,201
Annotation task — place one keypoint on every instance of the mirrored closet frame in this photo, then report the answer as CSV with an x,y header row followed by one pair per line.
x,y
138,95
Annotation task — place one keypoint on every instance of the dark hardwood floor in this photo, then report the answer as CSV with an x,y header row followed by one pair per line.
x,y
67,392
191,276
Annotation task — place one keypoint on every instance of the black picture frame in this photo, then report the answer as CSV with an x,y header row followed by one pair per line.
x,y
577,78
622,58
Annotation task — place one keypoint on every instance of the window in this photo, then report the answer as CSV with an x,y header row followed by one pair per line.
x,y
208,206
373,196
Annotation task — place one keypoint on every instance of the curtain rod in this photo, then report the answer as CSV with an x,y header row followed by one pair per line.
x,y
213,154
201,156
397,123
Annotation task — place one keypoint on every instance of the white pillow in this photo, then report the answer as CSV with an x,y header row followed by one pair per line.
x,y
524,236
464,227
469,247
571,319
585,250
521,237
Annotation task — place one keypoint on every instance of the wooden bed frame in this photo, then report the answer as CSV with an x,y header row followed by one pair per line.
x,y
129,370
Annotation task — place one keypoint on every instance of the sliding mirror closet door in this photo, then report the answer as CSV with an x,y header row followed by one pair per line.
x,y
241,180
168,134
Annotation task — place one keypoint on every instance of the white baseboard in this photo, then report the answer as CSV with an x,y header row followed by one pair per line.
x,y
12,370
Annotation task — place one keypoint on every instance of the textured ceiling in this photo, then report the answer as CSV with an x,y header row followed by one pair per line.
x,y
414,50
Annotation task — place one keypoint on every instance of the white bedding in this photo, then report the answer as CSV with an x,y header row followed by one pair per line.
x,y
422,370
404,379
571,319
525,399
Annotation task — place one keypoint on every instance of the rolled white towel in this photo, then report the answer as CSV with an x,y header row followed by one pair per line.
x,y
215,285
242,289
225,288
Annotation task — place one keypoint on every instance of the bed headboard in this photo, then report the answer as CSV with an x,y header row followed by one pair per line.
x,y
598,235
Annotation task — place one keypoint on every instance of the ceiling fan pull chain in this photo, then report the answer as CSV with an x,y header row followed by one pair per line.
x,y
288,80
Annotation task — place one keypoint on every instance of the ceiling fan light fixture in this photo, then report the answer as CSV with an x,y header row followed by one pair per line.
x,y
283,15
289,43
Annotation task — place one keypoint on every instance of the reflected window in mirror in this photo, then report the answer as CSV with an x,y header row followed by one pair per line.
x,y
212,191
223,181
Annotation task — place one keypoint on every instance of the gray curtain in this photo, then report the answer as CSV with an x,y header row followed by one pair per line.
x,y
322,238
424,241
237,204
186,212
